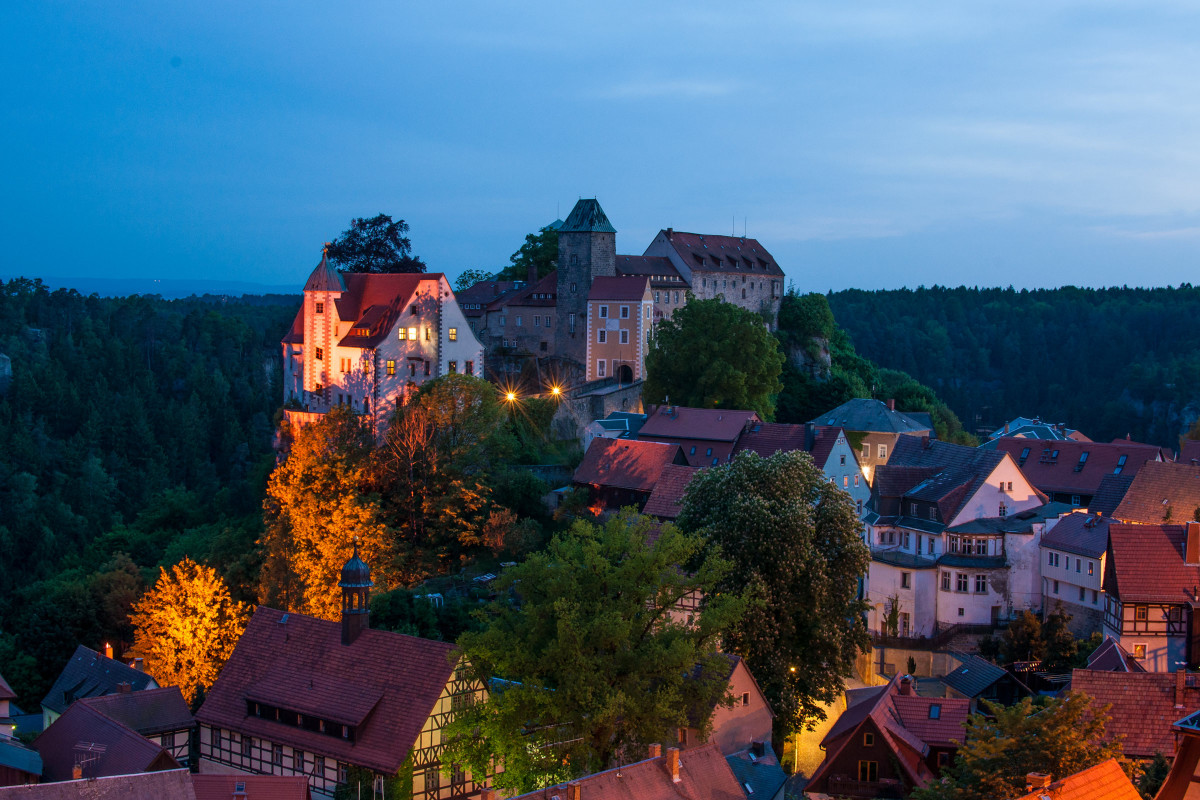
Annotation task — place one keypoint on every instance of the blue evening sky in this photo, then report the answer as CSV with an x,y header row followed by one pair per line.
x,y
866,144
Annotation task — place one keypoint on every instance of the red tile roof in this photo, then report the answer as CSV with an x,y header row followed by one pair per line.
x,y
257,787
376,300
659,269
540,295
623,288
1189,451
681,422
295,334
1063,474
173,784
1146,565
626,463
148,712
1143,707
1105,781
301,662
946,730
1159,488
722,253
112,748
1079,533
703,775
666,501
769,438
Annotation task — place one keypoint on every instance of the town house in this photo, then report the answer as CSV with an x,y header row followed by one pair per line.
x,y
1069,471
706,435
873,429
619,319
829,447
1073,557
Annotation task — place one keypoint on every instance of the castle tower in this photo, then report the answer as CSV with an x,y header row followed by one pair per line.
x,y
356,586
321,291
587,249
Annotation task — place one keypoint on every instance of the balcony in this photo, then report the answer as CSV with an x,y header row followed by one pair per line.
x,y
845,786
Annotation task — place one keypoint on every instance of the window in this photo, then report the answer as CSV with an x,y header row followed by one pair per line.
x,y
298,760
247,744
960,582
868,739
930,545
458,776
960,613
403,333
343,772
624,337
882,451
1079,565
657,297
866,450
981,584
601,336
426,369
905,580
391,367
868,771
624,312
693,450
859,504
856,477
1075,500
943,759
603,312
1056,587
708,452
412,332
277,754
845,481
518,324
935,711
433,777
677,298
945,581
469,368
320,308
412,369
453,334
1120,465
547,320
427,330
1081,593
320,354
537,322
933,513
907,540
1095,597
1141,613
1139,651
683,737
843,460
453,367
1003,511
745,698
600,368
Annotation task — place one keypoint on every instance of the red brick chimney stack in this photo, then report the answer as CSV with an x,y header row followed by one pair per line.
x,y
906,685
1180,686
656,751
1191,551
573,790
673,763
891,404
1037,780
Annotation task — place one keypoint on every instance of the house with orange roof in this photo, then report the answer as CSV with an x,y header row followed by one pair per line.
x,y
1161,493
1142,706
367,341
1070,471
1104,781
624,472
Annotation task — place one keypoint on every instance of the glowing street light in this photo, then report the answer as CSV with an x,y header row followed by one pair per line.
x,y
510,396
556,391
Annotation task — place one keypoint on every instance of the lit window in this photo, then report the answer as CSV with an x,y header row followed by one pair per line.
x,y
845,481
412,332
391,367
427,333
856,477
1139,651
1091,567
453,367
454,334
403,334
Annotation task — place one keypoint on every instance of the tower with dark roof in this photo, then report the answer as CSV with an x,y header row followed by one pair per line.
x,y
321,293
356,586
587,249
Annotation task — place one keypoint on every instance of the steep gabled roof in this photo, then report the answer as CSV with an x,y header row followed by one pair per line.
x,y
769,438
666,500
1111,657
973,676
387,682
1104,781
6,692
89,674
1111,492
324,278
540,295
1146,565
626,463
1072,467
587,217
960,471
109,747
295,334
861,414
681,422
1079,533
709,253
149,712
483,292
1143,707
1160,487
762,774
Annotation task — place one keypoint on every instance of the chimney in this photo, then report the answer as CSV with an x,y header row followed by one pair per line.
x,y
77,772
656,751
673,763
1191,555
670,233
573,790
139,665
810,435
906,685
125,687
1180,686
1037,780
1006,429
891,404
107,650
533,276
487,794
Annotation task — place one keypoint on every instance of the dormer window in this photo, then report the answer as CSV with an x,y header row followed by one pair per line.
x,y
935,711
1120,465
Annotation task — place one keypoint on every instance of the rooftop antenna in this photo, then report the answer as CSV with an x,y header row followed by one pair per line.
x,y
743,227
733,224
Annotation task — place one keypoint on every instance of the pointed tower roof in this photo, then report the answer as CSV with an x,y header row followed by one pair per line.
x,y
355,573
588,217
325,278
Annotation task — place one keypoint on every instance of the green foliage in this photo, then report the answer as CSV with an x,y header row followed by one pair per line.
x,y
1134,349
1023,639
911,666
1059,736
795,542
1060,647
540,249
1153,776
592,662
803,318
891,620
470,277
405,611
375,245
714,354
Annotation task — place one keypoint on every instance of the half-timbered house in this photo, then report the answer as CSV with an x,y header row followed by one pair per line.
x,y
307,696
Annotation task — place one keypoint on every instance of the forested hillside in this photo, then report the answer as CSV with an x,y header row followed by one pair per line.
x,y
133,431
1109,362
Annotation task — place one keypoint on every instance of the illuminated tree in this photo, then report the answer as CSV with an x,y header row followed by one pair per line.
x,y
186,627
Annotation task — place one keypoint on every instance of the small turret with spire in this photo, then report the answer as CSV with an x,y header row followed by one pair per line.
x,y
356,586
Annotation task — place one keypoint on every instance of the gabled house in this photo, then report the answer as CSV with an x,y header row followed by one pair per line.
x,y
1070,471
311,697
1073,558
735,728
1142,706
976,679
1036,428
1111,657
829,447
619,320
1104,781
18,764
954,534
1161,493
666,499
617,425
890,741
475,299
86,743
706,435
160,715
874,428
521,322
90,674
1152,591
623,472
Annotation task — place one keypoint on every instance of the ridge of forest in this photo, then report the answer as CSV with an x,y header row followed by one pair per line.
x,y
1109,362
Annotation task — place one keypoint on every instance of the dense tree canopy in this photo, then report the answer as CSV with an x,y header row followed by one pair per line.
x,y
540,250
375,245
714,354
795,544
592,661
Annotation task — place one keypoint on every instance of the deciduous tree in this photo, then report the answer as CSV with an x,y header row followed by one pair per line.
x,y
186,627
795,543
593,662
469,277
714,354
375,245
540,250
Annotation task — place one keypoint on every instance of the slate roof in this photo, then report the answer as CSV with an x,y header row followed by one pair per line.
x,y
1079,533
1111,492
324,278
89,674
117,749
587,216
893,480
1145,565
1111,657
538,295
383,297
15,755
626,463
1143,707
1104,781
386,682
666,501
1157,487
762,774
973,676
173,784
708,253
1063,473
631,287
681,422
704,775
1020,522
481,293
1036,428
149,712
960,471
659,269
256,787
861,414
